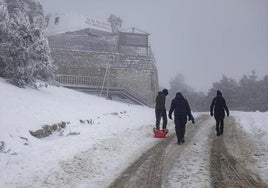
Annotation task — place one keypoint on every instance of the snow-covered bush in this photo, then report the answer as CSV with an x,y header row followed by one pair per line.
x,y
24,52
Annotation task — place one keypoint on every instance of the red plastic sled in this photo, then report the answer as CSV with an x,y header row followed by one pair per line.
x,y
160,133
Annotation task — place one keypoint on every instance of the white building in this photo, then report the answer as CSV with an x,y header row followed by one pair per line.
x,y
62,23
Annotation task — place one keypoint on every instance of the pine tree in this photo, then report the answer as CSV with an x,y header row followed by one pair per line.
x,y
24,51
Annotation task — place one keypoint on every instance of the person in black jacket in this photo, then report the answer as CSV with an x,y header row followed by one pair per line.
x,y
181,109
160,109
217,108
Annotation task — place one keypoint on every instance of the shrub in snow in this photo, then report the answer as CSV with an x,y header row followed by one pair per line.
x,y
47,130
24,52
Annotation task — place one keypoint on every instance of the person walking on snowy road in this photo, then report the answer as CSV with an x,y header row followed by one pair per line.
x,y
160,109
217,108
181,109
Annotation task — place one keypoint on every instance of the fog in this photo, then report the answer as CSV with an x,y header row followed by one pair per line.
x,y
201,39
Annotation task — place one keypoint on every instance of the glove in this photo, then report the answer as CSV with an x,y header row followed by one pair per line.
x,y
170,116
192,118
211,113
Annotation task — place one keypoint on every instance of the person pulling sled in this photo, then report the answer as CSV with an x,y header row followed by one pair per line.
x,y
160,112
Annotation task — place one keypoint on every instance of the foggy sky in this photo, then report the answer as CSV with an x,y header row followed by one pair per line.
x,y
201,39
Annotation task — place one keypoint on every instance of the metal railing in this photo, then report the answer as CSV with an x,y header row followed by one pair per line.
x,y
123,86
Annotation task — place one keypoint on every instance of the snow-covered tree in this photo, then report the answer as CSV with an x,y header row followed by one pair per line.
x,y
229,88
24,52
194,98
3,16
116,23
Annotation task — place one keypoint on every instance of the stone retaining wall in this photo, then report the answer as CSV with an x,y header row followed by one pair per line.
x,y
139,71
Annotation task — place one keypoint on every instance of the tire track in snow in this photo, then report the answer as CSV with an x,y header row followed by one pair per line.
x,y
229,170
151,168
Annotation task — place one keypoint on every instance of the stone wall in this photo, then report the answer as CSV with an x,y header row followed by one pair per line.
x,y
138,72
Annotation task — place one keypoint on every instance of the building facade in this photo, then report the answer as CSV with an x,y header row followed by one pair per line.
x,y
98,60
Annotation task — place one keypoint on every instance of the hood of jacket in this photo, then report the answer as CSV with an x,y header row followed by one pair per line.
x,y
219,93
179,96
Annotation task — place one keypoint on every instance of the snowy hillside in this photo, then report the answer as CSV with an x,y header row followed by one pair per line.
x,y
100,140
91,119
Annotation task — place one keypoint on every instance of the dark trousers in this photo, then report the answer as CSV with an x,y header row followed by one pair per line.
x,y
180,122
219,126
158,115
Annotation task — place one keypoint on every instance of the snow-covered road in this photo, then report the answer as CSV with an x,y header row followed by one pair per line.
x,y
204,160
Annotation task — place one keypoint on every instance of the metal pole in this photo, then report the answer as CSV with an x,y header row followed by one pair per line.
x,y
104,79
108,81
110,61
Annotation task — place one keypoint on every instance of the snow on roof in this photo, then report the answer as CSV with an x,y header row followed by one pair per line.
x,y
69,22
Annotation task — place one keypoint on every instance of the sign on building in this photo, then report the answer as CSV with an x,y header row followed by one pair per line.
x,y
133,39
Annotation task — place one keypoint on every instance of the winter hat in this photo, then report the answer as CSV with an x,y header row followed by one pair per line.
x,y
165,91
219,93
179,94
